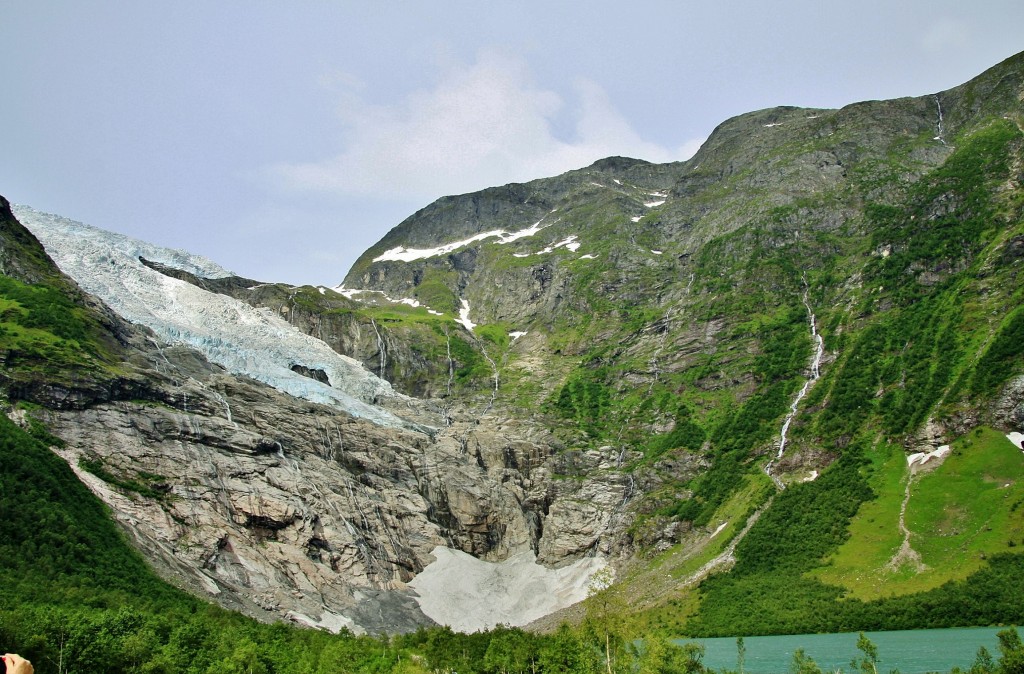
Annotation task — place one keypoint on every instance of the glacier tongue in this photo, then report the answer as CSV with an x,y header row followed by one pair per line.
x,y
244,340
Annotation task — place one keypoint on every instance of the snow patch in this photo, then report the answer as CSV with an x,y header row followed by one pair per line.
x,y
569,243
329,621
470,595
1017,439
403,254
522,233
244,340
464,316
658,252
637,218
516,334
721,526
352,293
918,460
652,204
588,256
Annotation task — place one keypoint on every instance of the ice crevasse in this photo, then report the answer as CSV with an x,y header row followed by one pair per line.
x,y
244,340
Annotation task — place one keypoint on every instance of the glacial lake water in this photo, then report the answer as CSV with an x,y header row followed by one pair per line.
x,y
910,652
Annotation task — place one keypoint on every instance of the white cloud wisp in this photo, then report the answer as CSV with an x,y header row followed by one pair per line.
x,y
482,125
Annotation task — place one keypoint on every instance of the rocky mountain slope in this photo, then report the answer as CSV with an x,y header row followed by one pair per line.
x,y
677,369
812,284
282,500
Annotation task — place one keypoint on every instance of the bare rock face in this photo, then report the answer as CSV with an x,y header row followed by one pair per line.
x,y
286,509
1009,408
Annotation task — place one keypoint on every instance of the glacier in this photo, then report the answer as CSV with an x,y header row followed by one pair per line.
x,y
244,340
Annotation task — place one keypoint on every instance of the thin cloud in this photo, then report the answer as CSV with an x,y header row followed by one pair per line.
x,y
945,34
483,124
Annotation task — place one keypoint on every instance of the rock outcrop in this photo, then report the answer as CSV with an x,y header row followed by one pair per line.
x,y
288,509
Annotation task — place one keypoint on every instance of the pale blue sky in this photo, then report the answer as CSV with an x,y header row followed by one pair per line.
x,y
283,139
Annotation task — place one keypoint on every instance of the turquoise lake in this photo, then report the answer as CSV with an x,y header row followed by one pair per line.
x,y
910,652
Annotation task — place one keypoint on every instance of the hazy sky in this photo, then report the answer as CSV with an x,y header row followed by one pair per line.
x,y
281,139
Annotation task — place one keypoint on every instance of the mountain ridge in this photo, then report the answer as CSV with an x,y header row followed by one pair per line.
x,y
614,374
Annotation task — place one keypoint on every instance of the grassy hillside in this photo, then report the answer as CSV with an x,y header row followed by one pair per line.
x,y
959,515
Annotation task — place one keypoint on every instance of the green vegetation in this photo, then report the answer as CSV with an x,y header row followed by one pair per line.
x,y
770,591
949,216
1003,357
585,398
149,485
434,290
859,564
42,332
960,514
42,308
686,434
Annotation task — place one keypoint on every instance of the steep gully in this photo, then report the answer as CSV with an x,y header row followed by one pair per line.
x,y
727,556
819,351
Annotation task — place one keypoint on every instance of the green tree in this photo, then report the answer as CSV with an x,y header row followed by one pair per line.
x,y
608,622
868,662
341,655
1011,652
657,655
442,650
511,650
983,662
803,664
244,659
564,653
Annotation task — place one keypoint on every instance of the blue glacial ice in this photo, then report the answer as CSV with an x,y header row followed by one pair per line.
x,y
244,340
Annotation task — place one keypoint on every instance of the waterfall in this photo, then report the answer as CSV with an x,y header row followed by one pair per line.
x,y
494,368
223,401
380,347
938,123
451,363
819,351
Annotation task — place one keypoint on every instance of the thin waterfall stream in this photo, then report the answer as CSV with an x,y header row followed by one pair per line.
x,y
819,351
